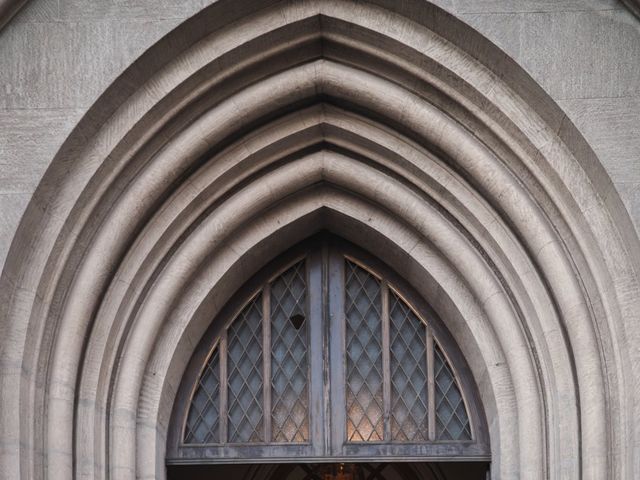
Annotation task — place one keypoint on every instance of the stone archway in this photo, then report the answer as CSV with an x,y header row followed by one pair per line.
x,y
391,124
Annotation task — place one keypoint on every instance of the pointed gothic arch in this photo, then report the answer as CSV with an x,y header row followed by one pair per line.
x,y
391,124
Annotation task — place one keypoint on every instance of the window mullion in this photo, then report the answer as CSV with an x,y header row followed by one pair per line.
x,y
337,416
431,385
224,418
386,362
318,376
266,360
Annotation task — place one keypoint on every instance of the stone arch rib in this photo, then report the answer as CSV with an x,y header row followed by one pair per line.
x,y
391,124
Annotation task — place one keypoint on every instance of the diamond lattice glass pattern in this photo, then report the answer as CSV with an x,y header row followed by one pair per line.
x,y
364,355
245,418
204,413
452,421
408,373
289,367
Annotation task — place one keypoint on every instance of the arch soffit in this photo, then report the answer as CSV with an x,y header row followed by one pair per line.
x,y
355,119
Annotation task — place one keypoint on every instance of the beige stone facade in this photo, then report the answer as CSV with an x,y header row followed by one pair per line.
x,y
488,151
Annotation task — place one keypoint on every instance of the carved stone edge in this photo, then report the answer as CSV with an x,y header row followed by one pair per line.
x,y
8,9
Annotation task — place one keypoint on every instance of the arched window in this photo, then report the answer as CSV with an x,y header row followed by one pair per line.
x,y
327,354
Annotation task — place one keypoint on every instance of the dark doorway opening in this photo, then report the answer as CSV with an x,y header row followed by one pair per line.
x,y
346,471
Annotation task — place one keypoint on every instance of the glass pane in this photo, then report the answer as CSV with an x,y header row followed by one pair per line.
x,y
204,413
289,367
408,373
245,423
452,422
364,355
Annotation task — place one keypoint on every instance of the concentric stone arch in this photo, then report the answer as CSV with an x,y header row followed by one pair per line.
x,y
245,130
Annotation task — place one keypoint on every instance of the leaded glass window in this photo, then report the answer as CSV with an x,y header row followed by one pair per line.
x,y
327,358
409,373
245,375
203,422
278,312
451,414
289,366
363,317
387,369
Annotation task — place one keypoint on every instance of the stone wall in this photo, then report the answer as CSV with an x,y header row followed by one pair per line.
x,y
391,124
58,56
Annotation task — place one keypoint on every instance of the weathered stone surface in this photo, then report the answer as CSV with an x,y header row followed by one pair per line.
x,y
12,206
27,141
89,10
62,65
613,125
56,59
633,6
586,54
51,45
524,6
630,193
499,213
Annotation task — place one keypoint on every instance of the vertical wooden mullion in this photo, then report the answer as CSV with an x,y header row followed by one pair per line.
x,y
266,361
386,362
431,385
224,417
336,410
318,373
326,350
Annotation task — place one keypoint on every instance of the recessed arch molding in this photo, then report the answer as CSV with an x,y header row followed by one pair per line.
x,y
250,128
